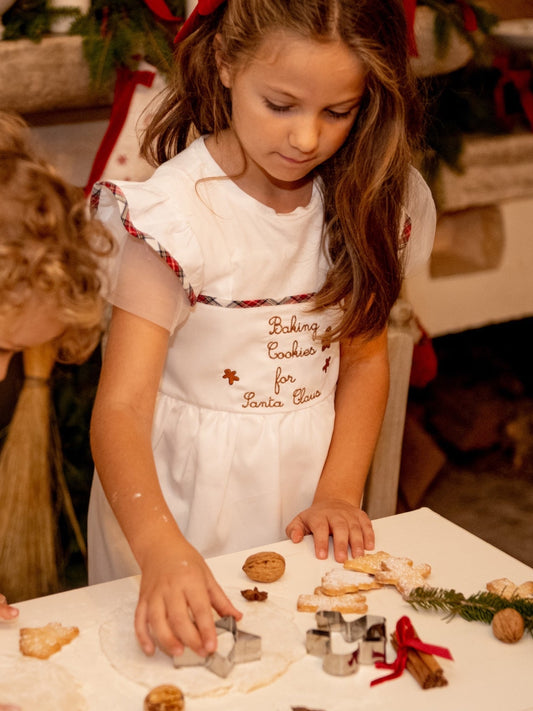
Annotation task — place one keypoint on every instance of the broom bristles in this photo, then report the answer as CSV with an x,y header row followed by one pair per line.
x,y
28,525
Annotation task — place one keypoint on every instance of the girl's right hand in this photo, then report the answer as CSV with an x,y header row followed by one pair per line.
x,y
7,612
176,601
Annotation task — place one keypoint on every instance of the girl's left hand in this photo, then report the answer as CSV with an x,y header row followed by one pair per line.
x,y
348,524
7,612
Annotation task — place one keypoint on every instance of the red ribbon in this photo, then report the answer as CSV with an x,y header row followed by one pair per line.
x,y
160,8
125,85
521,80
407,639
469,16
203,8
410,10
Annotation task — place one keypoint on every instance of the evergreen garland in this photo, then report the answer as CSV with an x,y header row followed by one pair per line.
x,y
479,607
121,33
32,19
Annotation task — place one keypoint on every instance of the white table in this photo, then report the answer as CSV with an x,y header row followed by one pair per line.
x,y
485,675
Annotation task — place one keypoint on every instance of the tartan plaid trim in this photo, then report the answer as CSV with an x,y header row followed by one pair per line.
x,y
177,269
406,232
132,230
253,303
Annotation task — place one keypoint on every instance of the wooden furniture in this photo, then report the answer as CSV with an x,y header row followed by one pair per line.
x,y
381,492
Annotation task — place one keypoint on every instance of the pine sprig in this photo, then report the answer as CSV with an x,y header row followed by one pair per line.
x,y
121,33
479,607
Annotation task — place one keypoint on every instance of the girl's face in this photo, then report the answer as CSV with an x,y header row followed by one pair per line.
x,y
35,324
293,105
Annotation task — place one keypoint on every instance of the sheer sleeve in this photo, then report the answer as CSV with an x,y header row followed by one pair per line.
x,y
420,209
147,287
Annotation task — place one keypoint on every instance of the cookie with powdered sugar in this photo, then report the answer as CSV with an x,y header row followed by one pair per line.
x,y
369,563
340,581
351,602
405,576
391,570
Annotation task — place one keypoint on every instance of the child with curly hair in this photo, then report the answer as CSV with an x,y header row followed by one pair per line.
x,y
51,253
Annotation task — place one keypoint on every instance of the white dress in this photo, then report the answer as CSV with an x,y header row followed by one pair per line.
x,y
245,408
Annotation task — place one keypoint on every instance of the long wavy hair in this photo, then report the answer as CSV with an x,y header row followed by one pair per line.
x,y
364,182
50,248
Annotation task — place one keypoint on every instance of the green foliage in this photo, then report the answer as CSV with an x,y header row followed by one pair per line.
x,y
121,33
116,33
32,19
479,607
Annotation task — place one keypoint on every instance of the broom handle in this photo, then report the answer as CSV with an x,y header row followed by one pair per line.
x,y
39,361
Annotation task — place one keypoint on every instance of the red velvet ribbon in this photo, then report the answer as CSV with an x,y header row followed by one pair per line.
x,y
521,80
469,21
161,9
407,639
125,85
469,16
203,8
410,11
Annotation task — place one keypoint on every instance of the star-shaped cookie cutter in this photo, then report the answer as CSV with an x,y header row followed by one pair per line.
x,y
343,644
233,647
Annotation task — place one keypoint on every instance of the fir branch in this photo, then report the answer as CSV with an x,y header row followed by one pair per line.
x,y
32,19
121,33
479,607
158,48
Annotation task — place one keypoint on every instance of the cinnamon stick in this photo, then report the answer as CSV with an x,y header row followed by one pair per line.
x,y
422,666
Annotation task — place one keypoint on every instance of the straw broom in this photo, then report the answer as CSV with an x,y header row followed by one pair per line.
x,y
30,469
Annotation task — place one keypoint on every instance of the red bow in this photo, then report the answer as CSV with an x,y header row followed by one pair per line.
x,y
521,80
160,8
407,639
203,8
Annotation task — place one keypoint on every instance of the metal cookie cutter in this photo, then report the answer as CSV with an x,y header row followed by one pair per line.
x,y
233,647
344,645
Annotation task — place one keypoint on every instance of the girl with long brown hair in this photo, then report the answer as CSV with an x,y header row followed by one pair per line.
x,y
246,374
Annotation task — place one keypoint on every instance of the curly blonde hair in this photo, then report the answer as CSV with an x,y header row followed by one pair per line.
x,y
50,247
364,183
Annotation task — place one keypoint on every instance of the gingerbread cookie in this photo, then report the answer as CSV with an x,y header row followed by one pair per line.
x,y
42,642
391,570
405,576
507,589
341,581
369,563
351,602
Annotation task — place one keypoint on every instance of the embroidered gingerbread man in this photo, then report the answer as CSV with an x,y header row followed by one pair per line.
x,y
230,375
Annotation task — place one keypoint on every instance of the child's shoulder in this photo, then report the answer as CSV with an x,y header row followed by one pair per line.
x,y
174,178
417,185
418,202
420,217
193,162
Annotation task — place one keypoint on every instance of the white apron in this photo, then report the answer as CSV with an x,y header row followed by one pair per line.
x,y
241,430
245,409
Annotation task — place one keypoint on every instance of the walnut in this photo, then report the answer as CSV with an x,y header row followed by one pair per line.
x,y
254,594
166,697
265,567
508,625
